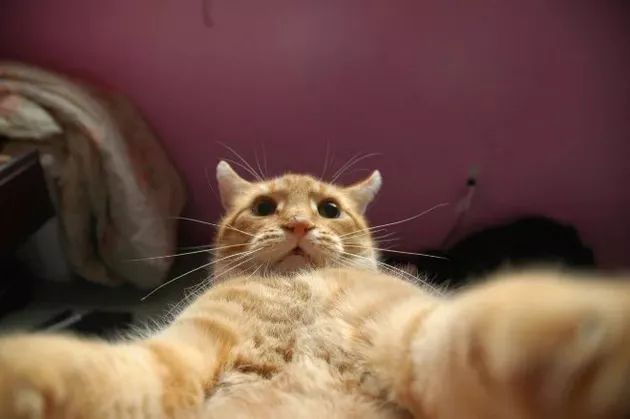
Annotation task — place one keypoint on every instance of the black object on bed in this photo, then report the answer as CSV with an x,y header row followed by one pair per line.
x,y
526,241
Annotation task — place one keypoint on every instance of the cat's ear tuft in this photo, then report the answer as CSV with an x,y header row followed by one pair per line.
x,y
230,183
363,192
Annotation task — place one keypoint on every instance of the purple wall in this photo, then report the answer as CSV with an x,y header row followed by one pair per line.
x,y
535,93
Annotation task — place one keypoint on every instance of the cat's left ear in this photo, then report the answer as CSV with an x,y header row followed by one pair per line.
x,y
363,192
230,184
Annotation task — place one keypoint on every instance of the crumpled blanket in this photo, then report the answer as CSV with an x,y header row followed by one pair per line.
x,y
114,189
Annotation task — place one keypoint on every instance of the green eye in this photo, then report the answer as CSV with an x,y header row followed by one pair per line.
x,y
264,207
328,209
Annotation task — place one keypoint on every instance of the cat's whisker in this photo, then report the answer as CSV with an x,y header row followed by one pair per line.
x,y
391,241
194,220
195,290
245,164
353,161
264,151
345,164
246,168
342,264
389,236
358,170
394,270
238,155
409,277
168,256
213,278
260,170
170,281
343,261
205,250
398,251
350,164
255,270
326,156
202,246
425,212
413,217
354,238
354,255
358,233
420,281
384,235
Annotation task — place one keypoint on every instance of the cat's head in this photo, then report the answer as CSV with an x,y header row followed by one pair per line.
x,y
292,222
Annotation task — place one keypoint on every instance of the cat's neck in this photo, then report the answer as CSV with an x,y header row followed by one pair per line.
x,y
224,271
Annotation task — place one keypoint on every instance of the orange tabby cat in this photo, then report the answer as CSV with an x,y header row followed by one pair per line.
x,y
293,222
322,334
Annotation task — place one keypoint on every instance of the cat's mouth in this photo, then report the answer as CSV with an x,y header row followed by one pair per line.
x,y
296,259
298,251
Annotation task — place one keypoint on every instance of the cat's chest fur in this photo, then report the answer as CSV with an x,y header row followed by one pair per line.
x,y
296,352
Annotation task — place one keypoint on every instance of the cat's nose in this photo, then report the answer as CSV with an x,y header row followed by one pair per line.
x,y
299,227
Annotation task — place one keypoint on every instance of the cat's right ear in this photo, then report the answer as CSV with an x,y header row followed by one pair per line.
x,y
230,183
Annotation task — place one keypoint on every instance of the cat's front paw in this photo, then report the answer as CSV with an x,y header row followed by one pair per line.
x,y
40,375
52,376
556,348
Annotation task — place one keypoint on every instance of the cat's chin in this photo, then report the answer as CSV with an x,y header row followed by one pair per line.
x,y
293,263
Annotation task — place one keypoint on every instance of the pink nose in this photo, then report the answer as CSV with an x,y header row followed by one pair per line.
x,y
299,227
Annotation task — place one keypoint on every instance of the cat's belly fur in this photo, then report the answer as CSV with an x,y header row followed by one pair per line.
x,y
308,369
305,389
299,353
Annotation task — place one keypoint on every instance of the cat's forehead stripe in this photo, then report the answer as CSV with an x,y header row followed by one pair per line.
x,y
295,183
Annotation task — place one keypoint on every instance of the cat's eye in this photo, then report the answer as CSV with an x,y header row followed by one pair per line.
x,y
264,207
328,209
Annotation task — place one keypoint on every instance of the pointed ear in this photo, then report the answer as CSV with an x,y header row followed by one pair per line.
x,y
230,183
363,192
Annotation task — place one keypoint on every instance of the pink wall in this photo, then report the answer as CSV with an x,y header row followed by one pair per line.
x,y
535,93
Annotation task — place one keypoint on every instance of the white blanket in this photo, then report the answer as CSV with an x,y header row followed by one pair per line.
x,y
114,189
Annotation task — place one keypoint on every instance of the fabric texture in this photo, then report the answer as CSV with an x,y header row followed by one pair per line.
x,y
115,191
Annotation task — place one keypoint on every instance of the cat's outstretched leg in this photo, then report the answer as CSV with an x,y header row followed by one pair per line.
x,y
529,345
165,376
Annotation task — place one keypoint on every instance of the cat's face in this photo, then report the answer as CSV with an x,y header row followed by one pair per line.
x,y
290,223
